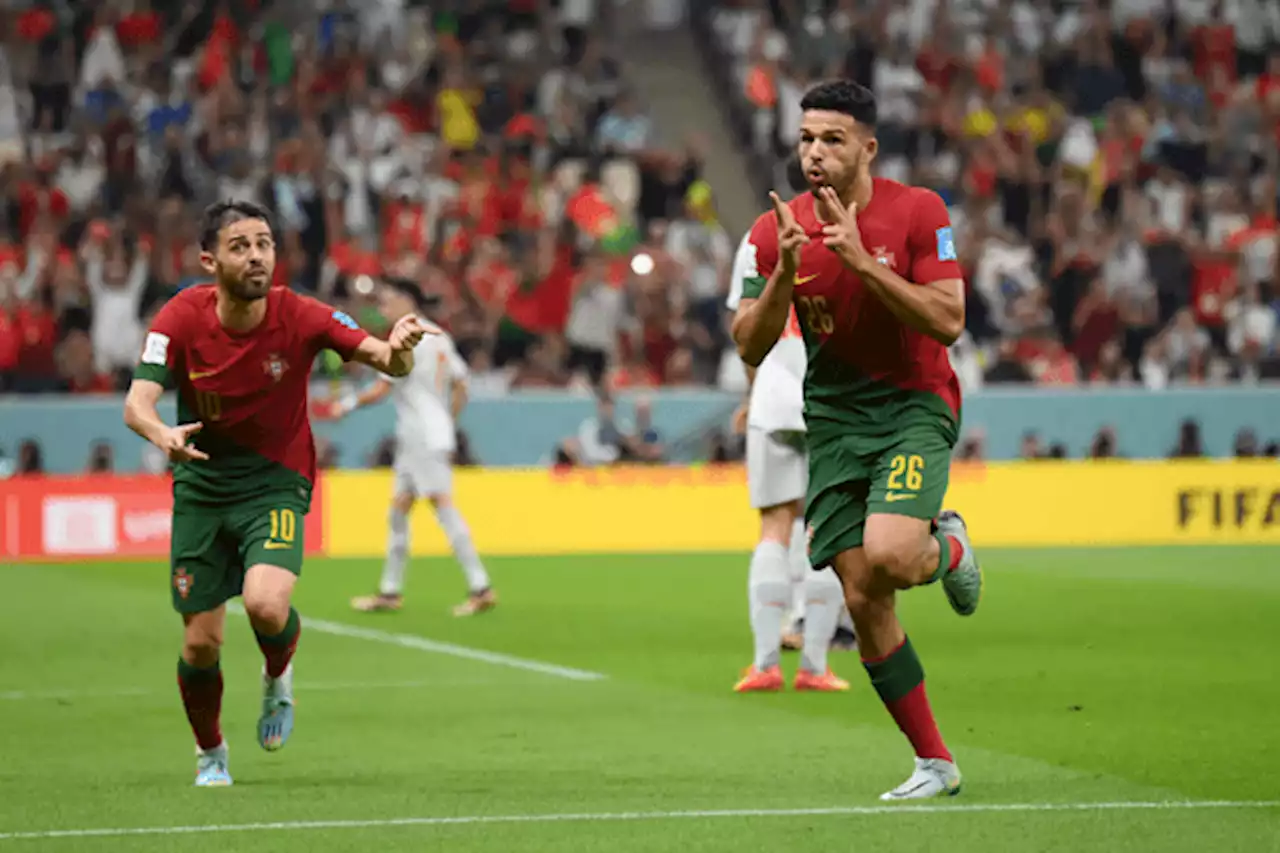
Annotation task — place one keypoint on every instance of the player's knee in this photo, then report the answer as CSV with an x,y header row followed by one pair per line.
x,y
201,643
267,611
402,502
439,502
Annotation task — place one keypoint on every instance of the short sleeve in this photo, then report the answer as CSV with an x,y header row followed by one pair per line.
x,y
329,327
758,256
161,349
930,241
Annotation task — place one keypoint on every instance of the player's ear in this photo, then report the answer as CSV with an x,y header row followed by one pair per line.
x,y
207,261
872,146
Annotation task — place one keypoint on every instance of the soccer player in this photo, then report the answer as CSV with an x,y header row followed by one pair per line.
x,y
777,475
427,402
244,463
870,266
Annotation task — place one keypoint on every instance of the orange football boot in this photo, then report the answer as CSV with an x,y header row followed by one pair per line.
x,y
757,681
828,682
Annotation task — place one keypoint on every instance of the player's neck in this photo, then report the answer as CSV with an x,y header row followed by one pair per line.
x,y
239,315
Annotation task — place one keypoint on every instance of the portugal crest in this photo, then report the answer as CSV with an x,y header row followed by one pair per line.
x,y
182,582
275,366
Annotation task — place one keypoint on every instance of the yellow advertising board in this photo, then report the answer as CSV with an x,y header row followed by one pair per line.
x,y
664,510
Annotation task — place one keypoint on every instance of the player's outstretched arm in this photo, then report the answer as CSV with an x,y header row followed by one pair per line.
x,y
762,316
394,356
142,416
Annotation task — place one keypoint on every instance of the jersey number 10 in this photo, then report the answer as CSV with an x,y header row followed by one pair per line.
x,y
208,406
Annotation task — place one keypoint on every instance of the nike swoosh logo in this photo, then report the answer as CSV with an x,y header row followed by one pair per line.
x,y
276,546
804,279
199,374
894,497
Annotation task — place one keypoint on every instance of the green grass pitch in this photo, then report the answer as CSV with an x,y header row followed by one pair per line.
x,y
1091,685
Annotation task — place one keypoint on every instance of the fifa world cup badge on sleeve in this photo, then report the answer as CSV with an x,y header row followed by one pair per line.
x,y
345,319
946,244
156,350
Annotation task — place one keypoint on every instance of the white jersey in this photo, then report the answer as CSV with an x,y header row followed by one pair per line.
x,y
777,396
424,419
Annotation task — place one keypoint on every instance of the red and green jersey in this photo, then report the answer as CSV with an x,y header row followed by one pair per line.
x,y
867,369
248,389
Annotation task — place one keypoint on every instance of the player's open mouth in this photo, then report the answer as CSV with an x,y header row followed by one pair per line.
x,y
815,176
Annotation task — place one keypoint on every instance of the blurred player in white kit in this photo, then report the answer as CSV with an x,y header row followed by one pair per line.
x,y
781,586
427,403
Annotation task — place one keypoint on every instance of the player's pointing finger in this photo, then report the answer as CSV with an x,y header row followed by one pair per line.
x,y
782,211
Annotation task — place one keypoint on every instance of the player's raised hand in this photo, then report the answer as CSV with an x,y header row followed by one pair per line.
x,y
791,237
407,332
173,441
841,234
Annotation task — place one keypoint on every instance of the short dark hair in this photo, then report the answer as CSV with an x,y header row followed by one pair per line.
x,y
843,96
220,214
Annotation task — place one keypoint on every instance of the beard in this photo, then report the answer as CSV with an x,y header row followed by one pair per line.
x,y
249,287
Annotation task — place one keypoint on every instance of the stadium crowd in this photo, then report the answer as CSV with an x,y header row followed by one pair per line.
x,y
493,154
1111,167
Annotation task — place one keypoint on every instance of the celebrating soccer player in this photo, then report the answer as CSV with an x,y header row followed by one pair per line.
x,y
871,268
428,401
244,463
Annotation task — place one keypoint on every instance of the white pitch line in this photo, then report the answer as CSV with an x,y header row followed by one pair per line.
x,y
620,817
305,687
412,641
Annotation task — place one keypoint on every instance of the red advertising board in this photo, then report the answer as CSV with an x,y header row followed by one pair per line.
x,y
97,516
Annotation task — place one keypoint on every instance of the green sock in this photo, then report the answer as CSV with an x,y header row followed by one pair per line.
x,y
188,674
286,637
944,556
278,650
897,674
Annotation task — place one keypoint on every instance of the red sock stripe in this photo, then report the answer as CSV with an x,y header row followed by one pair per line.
x,y
884,657
915,718
203,702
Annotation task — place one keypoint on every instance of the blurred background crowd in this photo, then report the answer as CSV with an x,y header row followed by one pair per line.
x,y
1111,168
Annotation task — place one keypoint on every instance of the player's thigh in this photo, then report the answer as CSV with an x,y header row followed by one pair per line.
x,y
911,473
836,505
204,565
270,530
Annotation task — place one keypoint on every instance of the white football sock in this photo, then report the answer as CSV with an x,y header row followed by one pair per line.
x,y
459,535
798,560
824,602
397,553
769,594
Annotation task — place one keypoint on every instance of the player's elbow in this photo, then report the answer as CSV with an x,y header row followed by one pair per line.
x,y
950,333
949,330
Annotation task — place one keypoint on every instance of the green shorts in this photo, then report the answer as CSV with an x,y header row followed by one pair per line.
x,y
854,475
212,545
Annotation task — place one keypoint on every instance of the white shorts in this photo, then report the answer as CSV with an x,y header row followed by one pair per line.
x,y
424,473
777,467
